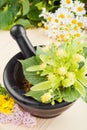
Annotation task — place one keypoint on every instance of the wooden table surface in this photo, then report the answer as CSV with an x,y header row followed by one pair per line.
x,y
75,118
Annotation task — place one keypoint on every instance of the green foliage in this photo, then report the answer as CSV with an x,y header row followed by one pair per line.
x,y
35,94
70,94
25,12
2,90
32,77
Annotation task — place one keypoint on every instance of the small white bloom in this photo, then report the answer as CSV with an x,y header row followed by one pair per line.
x,y
79,8
44,13
61,13
67,3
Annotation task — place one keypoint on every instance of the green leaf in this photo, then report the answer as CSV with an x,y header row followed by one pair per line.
x,y
81,64
35,94
85,51
80,88
25,4
34,14
39,5
32,77
3,2
28,62
34,68
70,94
42,86
83,80
3,90
7,16
24,22
85,98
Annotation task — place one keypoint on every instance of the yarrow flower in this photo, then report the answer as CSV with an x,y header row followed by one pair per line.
x,y
18,117
67,21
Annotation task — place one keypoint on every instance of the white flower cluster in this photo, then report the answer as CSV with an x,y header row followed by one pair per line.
x,y
66,22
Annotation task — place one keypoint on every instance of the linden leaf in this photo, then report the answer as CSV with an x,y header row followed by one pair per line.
x,y
42,86
32,77
35,94
83,80
80,88
70,94
25,4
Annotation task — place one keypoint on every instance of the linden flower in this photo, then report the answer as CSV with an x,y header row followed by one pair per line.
x,y
46,97
51,77
62,71
43,66
61,53
69,80
78,58
79,8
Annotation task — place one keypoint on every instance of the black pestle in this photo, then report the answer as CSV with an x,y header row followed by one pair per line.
x,y
19,34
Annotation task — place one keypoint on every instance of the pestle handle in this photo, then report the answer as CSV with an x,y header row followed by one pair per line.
x,y
19,34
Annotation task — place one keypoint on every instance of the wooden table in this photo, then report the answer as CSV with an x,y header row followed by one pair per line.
x,y
75,118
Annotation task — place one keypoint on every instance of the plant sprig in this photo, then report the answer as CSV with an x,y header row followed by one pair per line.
x,y
57,73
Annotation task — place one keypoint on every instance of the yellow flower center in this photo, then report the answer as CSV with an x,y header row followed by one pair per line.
x,y
56,20
78,43
46,27
74,21
80,8
68,1
80,24
75,28
62,36
69,16
49,19
77,34
62,16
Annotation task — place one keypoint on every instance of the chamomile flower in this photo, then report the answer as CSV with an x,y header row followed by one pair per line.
x,y
61,13
79,8
67,3
44,13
